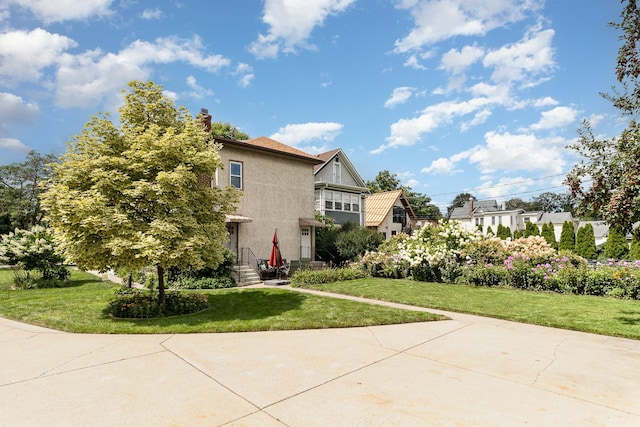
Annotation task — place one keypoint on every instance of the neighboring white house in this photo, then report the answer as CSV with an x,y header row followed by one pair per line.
x,y
339,190
487,213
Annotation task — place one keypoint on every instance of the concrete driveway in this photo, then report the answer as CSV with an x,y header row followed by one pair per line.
x,y
468,371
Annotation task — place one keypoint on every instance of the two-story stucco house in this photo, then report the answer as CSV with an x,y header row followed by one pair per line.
x,y
390,213
276,185
339,190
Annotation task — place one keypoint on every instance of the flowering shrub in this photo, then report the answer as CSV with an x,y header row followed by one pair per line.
x,y
616,279
33,249
485,275
385,264
533,248
434,248
490,250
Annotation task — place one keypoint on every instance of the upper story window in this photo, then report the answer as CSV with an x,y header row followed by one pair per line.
x,y
235,174
337,171
398,215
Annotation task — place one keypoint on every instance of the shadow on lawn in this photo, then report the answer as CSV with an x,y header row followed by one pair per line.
x,y
251,304
244,305
630,317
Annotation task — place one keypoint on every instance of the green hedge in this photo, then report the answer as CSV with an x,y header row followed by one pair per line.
x,y
317,277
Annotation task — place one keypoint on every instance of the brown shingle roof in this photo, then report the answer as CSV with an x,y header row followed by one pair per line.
x,y
268,144
325,157
274,145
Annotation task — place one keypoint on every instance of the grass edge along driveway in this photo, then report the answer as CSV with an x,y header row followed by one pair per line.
x,y
78,308
599,315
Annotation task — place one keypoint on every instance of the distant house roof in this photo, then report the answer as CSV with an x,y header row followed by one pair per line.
x,y
479,206
378,206
555,218
269,145
600,228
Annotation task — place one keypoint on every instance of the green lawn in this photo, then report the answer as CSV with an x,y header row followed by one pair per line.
x,y
78,308
598,315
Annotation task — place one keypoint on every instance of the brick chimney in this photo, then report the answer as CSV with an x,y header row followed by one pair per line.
x,y
470,206
206,119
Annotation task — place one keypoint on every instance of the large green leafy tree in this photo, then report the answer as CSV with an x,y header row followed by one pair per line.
x,y
20,191
420,203
607,180
517,203
139,194
552,202
227,130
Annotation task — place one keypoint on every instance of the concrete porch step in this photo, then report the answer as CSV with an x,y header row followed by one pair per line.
x,y
246,275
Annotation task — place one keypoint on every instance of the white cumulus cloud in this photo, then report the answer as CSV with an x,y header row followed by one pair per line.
x,y
24,54
556,118
437,20
506,151
88,78
291,23
399,96
63,10
456,61
305,135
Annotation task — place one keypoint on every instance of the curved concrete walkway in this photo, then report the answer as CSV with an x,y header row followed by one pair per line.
x,y
468,371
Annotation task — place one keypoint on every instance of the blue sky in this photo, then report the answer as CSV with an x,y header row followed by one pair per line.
x,y
478,96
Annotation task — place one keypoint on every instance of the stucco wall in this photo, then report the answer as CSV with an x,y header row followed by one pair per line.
x,y
277,191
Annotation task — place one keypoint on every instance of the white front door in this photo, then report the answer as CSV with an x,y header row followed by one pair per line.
x,y
305,243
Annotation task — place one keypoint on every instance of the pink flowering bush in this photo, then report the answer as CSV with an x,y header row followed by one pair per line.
x,y
533,248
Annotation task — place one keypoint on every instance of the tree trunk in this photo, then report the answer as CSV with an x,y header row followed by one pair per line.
x,y
161,286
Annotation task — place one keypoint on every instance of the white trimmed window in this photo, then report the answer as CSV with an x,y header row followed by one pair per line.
x,y
235,174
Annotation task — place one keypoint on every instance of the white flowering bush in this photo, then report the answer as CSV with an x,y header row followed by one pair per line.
x,y
33,249
435,250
